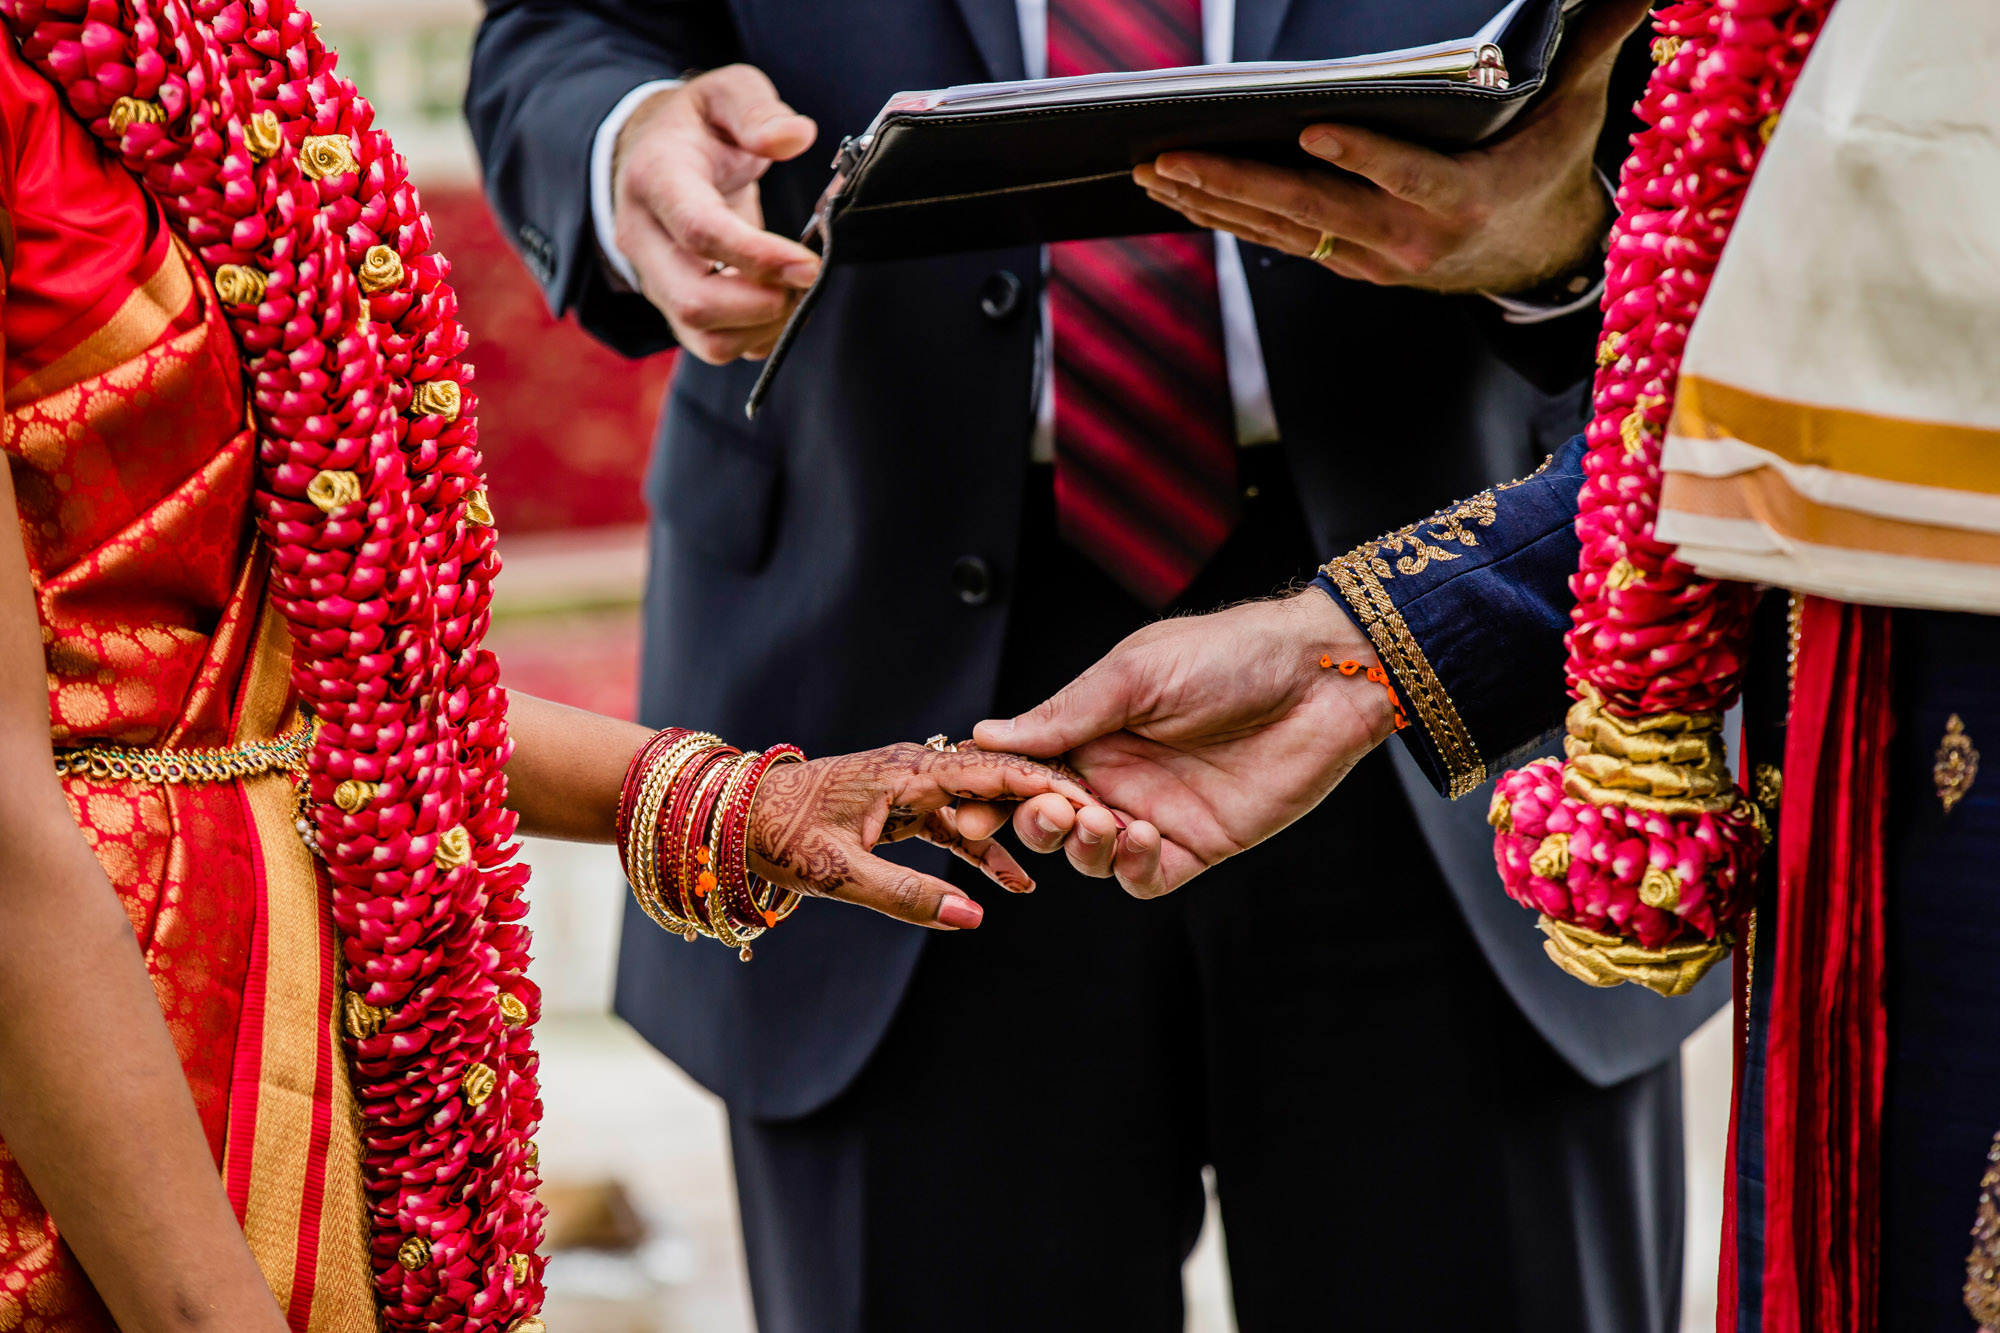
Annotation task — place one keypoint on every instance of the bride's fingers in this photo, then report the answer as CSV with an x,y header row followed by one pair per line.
x,y
1092,844
982,819
996,862
1137,861
907,895
985,776
1043,822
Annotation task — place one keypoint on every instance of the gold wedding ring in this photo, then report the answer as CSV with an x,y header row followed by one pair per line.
x,y
1324,248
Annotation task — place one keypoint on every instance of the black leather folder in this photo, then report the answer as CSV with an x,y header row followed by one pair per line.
x,y
1041,160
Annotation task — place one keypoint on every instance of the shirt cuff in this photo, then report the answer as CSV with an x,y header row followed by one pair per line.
x,y
1517,311
603,215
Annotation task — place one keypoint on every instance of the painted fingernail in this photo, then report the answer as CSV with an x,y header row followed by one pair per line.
x,y
800,274
960,913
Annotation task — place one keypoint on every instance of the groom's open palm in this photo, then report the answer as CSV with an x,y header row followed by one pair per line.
x,y
1211,733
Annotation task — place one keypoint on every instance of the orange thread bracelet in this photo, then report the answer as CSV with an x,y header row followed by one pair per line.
x,y
1374,673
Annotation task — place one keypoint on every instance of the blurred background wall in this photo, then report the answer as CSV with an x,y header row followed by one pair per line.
x,y
643,1215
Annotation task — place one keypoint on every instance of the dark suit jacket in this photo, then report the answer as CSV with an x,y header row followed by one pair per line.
x,y
838,573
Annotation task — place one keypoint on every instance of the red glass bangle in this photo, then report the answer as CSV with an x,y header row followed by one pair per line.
x,y
696,856
635,778
679,829
732,842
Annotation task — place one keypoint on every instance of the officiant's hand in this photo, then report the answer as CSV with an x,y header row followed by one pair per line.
x,y
1210,733
1500,218
684,176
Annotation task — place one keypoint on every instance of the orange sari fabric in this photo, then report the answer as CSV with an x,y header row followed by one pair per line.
x,y
126,433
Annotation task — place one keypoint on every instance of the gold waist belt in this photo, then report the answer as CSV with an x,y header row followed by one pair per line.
x,y
114,763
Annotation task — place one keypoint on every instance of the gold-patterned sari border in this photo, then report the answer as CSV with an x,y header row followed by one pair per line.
x,y
1352,574
135,326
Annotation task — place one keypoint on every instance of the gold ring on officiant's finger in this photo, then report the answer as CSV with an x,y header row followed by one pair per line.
x,y
1324,248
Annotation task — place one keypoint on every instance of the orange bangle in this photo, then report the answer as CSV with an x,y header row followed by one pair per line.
x,y
1374,673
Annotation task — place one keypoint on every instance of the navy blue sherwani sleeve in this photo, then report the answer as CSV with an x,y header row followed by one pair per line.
x,y
1468,610
545,73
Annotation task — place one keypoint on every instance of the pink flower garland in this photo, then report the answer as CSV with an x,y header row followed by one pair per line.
x,y
1649,635
386,595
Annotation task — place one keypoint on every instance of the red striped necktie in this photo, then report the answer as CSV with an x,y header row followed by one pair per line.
x,y
1145,438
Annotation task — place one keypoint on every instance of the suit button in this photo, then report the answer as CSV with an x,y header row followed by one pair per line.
x,y
999,295
972,580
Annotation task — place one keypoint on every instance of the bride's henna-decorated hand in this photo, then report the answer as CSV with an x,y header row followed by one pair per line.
x,y
813,826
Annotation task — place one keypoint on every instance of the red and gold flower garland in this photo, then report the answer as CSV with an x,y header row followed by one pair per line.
x,y
1638,850
382,553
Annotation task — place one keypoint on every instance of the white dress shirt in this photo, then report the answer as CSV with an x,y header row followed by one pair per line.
x,y
1249,388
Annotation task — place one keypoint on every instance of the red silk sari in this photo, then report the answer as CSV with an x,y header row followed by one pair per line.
x,y
133,466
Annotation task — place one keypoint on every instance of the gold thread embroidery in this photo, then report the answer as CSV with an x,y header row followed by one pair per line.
x,y
1416,546
1355,577
1982,1265
1767,786
1957,766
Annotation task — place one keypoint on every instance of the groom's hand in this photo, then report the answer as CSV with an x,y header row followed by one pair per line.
x,y
1210,732
687,214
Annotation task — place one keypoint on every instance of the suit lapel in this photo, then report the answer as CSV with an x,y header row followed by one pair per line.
x,y
1257,24
996,30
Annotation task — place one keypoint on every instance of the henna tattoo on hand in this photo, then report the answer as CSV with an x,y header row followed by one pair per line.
x,y
809,820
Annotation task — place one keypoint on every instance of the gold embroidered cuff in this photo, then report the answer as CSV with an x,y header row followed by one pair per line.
x,y
1365,596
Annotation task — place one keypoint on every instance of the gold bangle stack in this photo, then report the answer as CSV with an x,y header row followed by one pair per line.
x,y
684,834
643,858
